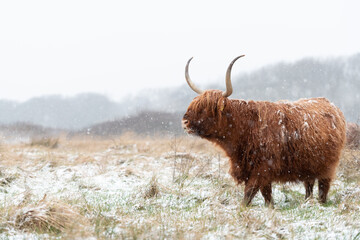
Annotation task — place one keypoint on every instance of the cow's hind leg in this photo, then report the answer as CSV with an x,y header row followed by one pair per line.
x,y
250,192
309,186
266,193
324,186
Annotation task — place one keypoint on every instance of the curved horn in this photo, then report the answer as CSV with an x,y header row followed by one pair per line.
x,y
229,89
188,80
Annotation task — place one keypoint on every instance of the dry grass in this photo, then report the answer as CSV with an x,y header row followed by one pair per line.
x,y
143,188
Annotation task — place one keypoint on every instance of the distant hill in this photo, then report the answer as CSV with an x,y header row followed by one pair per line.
x,y
144,123
338,79
27,131
60,112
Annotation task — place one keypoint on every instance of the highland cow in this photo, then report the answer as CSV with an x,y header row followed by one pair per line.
x,y
270,142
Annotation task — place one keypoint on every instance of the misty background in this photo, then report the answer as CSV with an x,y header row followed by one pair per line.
x,y
161,109
95,67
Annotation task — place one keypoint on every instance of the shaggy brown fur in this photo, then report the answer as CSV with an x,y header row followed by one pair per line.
x,y
272,141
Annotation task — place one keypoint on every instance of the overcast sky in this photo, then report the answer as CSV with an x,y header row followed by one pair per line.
x,y
117,47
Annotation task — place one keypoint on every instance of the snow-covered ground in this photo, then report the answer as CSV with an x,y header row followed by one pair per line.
x,y
136,188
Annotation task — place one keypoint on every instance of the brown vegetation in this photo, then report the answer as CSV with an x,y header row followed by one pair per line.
x,y
45,142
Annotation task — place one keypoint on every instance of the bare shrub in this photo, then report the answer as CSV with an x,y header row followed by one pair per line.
x,y
353,135
45,142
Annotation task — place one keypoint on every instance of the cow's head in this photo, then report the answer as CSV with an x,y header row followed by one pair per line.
x,y
205,114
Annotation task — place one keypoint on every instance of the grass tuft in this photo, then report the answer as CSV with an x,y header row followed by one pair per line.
x,y
48,217
152,189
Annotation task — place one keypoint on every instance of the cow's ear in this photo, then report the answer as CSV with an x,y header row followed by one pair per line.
x,y
221,105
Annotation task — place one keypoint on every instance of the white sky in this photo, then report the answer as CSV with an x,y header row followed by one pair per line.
x,y
117,47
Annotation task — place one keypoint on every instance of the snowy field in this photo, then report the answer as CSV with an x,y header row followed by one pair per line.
x,y
175,188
